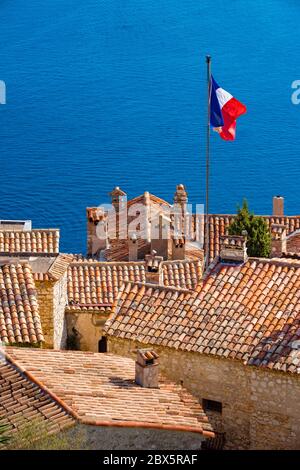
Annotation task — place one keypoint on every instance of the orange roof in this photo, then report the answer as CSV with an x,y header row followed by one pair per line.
x,y
183,273
22,401
94,285
19,310
249,312
100,389
219,222
31,241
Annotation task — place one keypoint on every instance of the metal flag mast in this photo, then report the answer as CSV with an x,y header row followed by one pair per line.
x,y
208,62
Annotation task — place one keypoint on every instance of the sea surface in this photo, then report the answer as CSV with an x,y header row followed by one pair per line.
x,y
113,92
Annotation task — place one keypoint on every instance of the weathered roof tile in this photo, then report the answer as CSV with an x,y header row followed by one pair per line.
x,y
224,312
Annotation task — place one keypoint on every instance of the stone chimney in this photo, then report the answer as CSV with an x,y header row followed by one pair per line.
x,y
180,196
153,271
133,247
178,248
119,202
118,199
146,368
233,248
96,243
278,235
278,206
179,209
160,235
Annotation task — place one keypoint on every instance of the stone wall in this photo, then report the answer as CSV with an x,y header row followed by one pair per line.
x,y
52,298
60,300
125,438
293,243
87,328
45,298
260,407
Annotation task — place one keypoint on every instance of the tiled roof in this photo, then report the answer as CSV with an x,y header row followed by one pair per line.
x,y
118,249
55,270
185,274
101,390
219,222
31,241
249,312
92,285
22,402
19,311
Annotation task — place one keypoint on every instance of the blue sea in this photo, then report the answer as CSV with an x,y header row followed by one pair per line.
x,y
113,92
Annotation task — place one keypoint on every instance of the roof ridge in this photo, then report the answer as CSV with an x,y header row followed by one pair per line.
x,y
292,262
38,383
258,215
183,261
158,286
107,263
31,230
151,196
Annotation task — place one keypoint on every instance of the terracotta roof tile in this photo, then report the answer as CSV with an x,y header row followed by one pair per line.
x,y
22,401
19,310
94,285
185,274
225,316
100,389
218,223
32,241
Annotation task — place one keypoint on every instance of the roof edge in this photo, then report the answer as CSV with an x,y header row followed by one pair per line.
x,y
146,425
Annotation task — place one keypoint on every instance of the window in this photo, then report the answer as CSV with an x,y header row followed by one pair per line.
x,y
212,405
102,345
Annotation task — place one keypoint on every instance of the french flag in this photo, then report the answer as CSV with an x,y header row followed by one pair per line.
x,y
224,111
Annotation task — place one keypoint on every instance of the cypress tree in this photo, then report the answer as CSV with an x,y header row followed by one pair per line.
x,y
258,234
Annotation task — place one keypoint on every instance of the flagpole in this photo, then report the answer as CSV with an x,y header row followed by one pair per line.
x,y
208,63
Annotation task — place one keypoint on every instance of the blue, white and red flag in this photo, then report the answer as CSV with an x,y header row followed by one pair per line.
x,y
224,111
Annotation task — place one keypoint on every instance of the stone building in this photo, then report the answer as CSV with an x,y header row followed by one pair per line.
x,y
98,395
233,342
93,287
33,253
185,242
229,335
129,230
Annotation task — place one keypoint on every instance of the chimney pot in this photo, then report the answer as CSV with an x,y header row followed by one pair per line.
x,y
153,263
278,235
146,368
118,198
133,247
180,196
278,206
233,248
160,236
